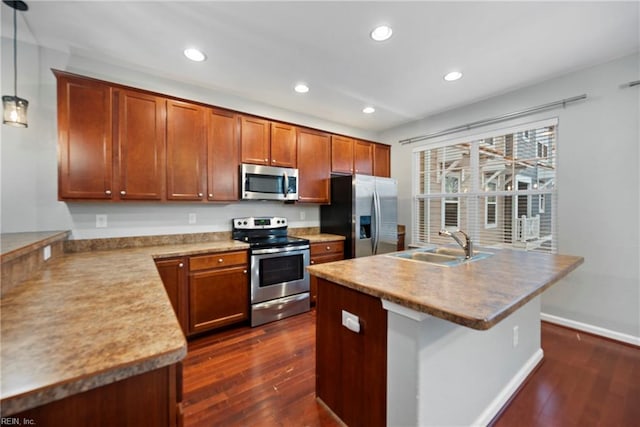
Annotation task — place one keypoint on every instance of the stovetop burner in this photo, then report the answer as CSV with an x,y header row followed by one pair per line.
x,y
265,232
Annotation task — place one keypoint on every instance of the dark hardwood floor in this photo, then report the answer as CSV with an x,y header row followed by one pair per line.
x,y
265,376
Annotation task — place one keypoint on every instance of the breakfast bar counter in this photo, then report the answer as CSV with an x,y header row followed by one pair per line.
x,y
475,294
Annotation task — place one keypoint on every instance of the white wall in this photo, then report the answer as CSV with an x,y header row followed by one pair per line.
x,y
28,157
598,186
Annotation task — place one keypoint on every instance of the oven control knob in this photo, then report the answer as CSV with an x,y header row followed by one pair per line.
x,y
244,223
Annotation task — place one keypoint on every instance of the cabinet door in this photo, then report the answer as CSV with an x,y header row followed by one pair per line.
x,y
254,135
223,155
341,154
382,160
217,298
140,146
351,367
363,157
186,151
174,277
283,145
314,166
84,139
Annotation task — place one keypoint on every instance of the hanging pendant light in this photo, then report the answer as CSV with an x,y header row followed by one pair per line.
x,y
15,108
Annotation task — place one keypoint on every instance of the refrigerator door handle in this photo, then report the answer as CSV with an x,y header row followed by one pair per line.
x,y
373,224
376,221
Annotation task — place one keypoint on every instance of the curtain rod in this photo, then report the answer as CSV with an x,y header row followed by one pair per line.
x,y
492,120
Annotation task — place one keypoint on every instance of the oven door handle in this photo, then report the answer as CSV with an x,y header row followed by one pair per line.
x,y
278,250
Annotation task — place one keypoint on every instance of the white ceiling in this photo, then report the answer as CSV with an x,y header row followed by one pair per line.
x,y
259,50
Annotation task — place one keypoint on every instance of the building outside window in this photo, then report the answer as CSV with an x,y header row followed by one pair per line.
x,y
499,187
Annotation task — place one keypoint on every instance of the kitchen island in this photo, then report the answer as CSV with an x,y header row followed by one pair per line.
x,y
426,344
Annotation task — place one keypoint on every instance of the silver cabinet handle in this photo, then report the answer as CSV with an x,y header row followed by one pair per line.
x,y
107,192
211,195
200,194
244,271
328,248
266,160
122,193
220,260
313,262
181,265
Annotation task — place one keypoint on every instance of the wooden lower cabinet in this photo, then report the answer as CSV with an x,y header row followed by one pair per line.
x,y
351,368
323,252
173,272
149,399
218,290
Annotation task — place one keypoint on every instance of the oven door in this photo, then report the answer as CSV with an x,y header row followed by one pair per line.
x,y
278,272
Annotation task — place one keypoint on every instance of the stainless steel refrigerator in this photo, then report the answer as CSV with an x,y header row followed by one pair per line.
x,y
363,209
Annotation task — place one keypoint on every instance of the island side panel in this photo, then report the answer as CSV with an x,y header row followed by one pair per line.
x,y
458,375
351,368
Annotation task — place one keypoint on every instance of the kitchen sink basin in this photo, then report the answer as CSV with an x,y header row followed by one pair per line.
x,y
444,256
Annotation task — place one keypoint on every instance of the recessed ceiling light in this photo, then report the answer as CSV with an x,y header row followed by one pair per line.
x,y
301,88
453,76
368,110
381,33
194,54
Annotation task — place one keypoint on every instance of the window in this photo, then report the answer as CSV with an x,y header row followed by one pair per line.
x,y
490,202
499,187
450,210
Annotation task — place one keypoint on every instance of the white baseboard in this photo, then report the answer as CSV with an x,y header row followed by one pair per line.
x,y
505,394
596,330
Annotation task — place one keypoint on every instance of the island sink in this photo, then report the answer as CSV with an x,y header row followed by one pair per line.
x,y
443,256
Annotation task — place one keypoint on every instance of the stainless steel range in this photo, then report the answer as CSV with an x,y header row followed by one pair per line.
x,y
279,281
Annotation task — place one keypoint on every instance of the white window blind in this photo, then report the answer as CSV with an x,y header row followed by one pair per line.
x,y
498,187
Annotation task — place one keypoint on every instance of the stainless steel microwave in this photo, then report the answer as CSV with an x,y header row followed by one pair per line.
x,y
268,183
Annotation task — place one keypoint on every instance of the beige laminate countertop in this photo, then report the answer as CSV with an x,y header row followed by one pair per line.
x,y
89,319
321,237
13,245
475,294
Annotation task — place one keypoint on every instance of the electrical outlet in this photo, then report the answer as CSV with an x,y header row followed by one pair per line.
x,y
101,221
516,337
46,252
192,218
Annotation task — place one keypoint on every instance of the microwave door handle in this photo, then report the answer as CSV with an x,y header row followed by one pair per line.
x,y
286,184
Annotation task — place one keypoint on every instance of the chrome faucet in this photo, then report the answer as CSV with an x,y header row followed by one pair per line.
x,y
467,246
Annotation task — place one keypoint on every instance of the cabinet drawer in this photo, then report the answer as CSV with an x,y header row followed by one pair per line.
x,y
321,259
324,248
222,259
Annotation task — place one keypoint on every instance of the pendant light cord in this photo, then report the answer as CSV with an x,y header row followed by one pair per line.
x,y
15,55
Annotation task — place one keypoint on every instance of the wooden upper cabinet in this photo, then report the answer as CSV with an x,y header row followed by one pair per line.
x,y
283,145
186,151
341,154
363,157
382,160
223,155
84,138
140,147
314,166
255,134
